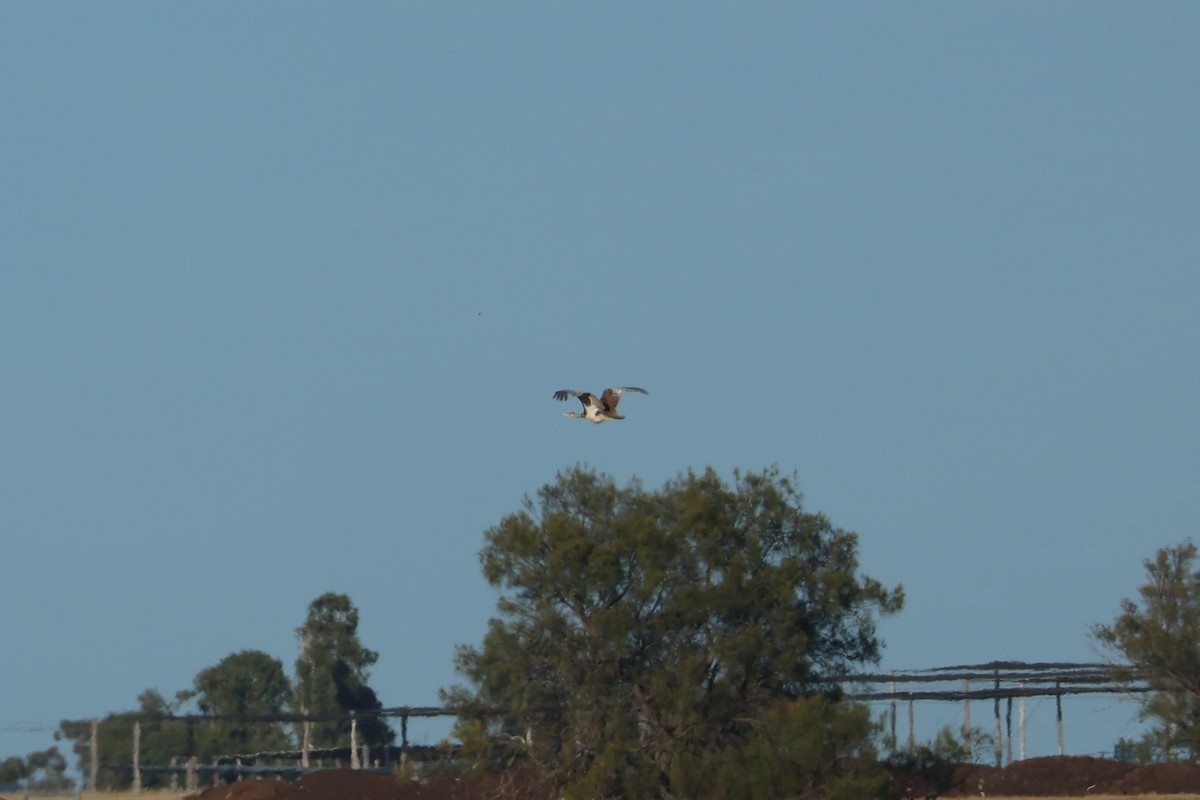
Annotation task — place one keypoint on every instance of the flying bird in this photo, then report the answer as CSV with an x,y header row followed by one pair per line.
x,y
597,409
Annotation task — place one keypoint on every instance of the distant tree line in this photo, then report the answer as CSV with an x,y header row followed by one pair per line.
x,y
331,673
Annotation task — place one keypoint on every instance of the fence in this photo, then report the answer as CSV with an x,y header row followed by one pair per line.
x,y
999,681
238,764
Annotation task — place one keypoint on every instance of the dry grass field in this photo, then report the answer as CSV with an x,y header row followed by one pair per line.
x,y
149,794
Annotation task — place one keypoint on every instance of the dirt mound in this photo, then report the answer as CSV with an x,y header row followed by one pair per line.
x,y
247,790
1160,779
344,784
330,784
1069,776
1077,776
1047,776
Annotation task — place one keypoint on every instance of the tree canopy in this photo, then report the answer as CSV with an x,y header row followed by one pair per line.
x,y
42,771
250,683
1159,636
648,641
332,671
161,740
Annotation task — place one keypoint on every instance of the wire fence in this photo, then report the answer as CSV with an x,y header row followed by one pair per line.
x,y
1001,682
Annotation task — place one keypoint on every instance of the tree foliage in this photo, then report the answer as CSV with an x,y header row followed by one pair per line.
x,y
931,769
332,671
648,642
250,683
161,740
42,771
1159,637
331,681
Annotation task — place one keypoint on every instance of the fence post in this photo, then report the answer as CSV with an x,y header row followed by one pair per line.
x,y
999,731
137,756
966,708
892,688
1022,724
353,741
94,767
307,744
1008,728
190,781
1058,714
912,740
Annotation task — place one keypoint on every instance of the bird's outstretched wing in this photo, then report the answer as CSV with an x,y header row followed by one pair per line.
x,y
587,398
612,395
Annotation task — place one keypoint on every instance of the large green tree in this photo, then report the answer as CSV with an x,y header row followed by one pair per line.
x,y
332,671
652,643
1158,636
250,683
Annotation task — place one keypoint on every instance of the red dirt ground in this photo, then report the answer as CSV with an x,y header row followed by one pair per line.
x,y
1067,776
344,784
1077,776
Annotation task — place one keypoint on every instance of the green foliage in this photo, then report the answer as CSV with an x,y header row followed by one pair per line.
x,y
649,641
246,684
332,672
1159,637
331,681
249,683
12,770
42,771
927,769
1141,751
161,740
810,746
46,771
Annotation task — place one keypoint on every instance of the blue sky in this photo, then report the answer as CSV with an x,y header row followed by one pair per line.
x,y
286,288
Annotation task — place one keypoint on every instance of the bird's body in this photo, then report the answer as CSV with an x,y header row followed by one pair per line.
x,y
597,409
